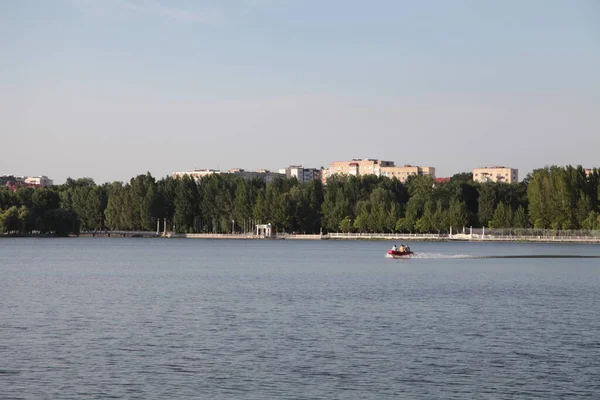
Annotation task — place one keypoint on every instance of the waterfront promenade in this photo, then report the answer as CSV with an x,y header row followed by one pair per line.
x,y
468,237
470,234
474,235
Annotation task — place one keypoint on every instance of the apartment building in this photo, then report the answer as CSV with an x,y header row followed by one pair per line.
x,y
42,181
198,174
496,174
265,174
402,173
15,182
300,173
369,166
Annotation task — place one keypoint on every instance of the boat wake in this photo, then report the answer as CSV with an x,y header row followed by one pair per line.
x,y
429,255
539,256
468,256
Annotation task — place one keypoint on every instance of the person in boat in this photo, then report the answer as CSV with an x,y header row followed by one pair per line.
x,y
401,248
394,247
407,249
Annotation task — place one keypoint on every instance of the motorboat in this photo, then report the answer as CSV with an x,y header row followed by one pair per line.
x,y
399,254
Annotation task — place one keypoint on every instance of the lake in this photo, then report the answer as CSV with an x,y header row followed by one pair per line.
x,y
97,318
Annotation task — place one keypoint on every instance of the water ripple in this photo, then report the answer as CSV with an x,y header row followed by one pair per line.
x,y
148,319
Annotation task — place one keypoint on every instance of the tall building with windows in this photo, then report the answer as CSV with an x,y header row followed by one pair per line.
x,y
311,174
301,173
402,173
496,174
370,166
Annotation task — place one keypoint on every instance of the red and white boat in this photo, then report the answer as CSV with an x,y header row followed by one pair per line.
x,y
399,254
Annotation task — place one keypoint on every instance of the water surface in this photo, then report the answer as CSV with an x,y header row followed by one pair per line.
x,y
97,318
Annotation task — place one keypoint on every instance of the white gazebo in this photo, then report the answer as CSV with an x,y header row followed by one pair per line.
x,y
264,230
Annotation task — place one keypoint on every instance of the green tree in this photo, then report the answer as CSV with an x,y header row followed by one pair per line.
x,y
414,209
7,198
9,220
142,196
26,220
165,199
361,223
380,204
462,176
281,208
187,205
24,196
458,216
88,203
59,221
336,206
503,217
426,222
314,194
440,218
78,183
115,208
44,200
346,225
488,201
521,219
394,214
245,198
538,196
584,207
261,210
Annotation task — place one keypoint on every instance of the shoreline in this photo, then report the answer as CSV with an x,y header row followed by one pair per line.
x,y
335,237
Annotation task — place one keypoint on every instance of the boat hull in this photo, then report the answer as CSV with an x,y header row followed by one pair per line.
x,y
399,254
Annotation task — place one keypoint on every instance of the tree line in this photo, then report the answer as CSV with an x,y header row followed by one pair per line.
x,y
551,198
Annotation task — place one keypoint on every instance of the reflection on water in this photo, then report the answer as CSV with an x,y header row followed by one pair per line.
x,y
155,319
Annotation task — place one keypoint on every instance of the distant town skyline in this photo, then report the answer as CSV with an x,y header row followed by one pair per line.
x,y
112,89
206,170
489,173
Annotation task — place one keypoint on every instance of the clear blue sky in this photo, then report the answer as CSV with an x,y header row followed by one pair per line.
x,y
113,88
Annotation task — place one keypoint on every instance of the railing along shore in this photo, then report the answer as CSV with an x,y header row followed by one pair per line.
x,y
385,236
476,235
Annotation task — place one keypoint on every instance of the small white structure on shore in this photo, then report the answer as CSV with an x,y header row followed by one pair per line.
x,y
264,230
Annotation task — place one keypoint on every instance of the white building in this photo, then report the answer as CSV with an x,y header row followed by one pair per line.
x,y
496,174
369,166
198,174
300,173
42,181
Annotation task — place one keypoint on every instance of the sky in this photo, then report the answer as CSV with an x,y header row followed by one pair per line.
x,y
110,89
